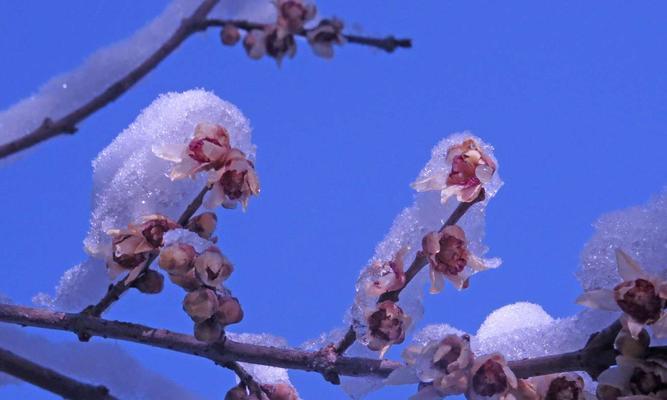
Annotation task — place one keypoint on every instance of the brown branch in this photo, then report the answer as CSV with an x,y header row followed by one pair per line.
x,y
388,44
116,290
49,379
230,351
417,264
67,124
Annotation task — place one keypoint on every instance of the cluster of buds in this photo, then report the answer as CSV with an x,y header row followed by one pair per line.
x,y
449,258
636,374
211,311
231,174
641,298
132,247
386,326
448,367
469,169
277,39
276,391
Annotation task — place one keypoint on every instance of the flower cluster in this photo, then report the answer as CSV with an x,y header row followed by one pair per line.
x,y
208,304
637,375
469,169
277,39
231,174
641,298
448,367
449,258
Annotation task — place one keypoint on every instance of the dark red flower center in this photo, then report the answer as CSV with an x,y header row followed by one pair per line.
x,y
646,383
563,389
385,326
154,232
453,255
451,356
128,261
489,379
641,301
233,184
196,149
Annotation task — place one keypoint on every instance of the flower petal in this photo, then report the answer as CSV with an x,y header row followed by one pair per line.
x,y
602,299
628,268
437,281
171,152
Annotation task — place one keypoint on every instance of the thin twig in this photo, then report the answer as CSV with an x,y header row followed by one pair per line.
x,y
197,22
247,380
228,350
417,264
68,124
388,44
116,290
49,379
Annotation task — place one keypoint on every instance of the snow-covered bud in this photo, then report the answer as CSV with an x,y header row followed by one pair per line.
x,y
386,326
327,33
237,393
386,276
631,347
230,35
151,282
201,304
177,259
471,168
235,182
491,377
229,310
448,257
203,224
208,331
187,281
641,297
212,268
558,386
280,391
293,14
254,44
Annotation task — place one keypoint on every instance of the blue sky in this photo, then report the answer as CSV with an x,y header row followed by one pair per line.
x,y
573,95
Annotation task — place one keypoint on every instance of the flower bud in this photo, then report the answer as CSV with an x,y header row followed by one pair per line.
x,y
203,224
237,393
200,304
187,281
208,331
211,267
229,310
280,391
151,282
608,392
630,347
230,35
177,258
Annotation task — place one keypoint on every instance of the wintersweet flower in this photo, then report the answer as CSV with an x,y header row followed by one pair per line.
x,y
557,386
641,297
208,331
203,224
254,43
491,378
205,151
131,247
327,33
442,366
386,276
212,267
201,304
230,35
449,257
386,326
280,391
293,14
279,43
471,168
229,310
177,259
234,182
151,282
634,379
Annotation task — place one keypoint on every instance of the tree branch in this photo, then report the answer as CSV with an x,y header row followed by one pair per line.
x,y
68,123
116,290
228,350
49,379
197,22
417,264
247,380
